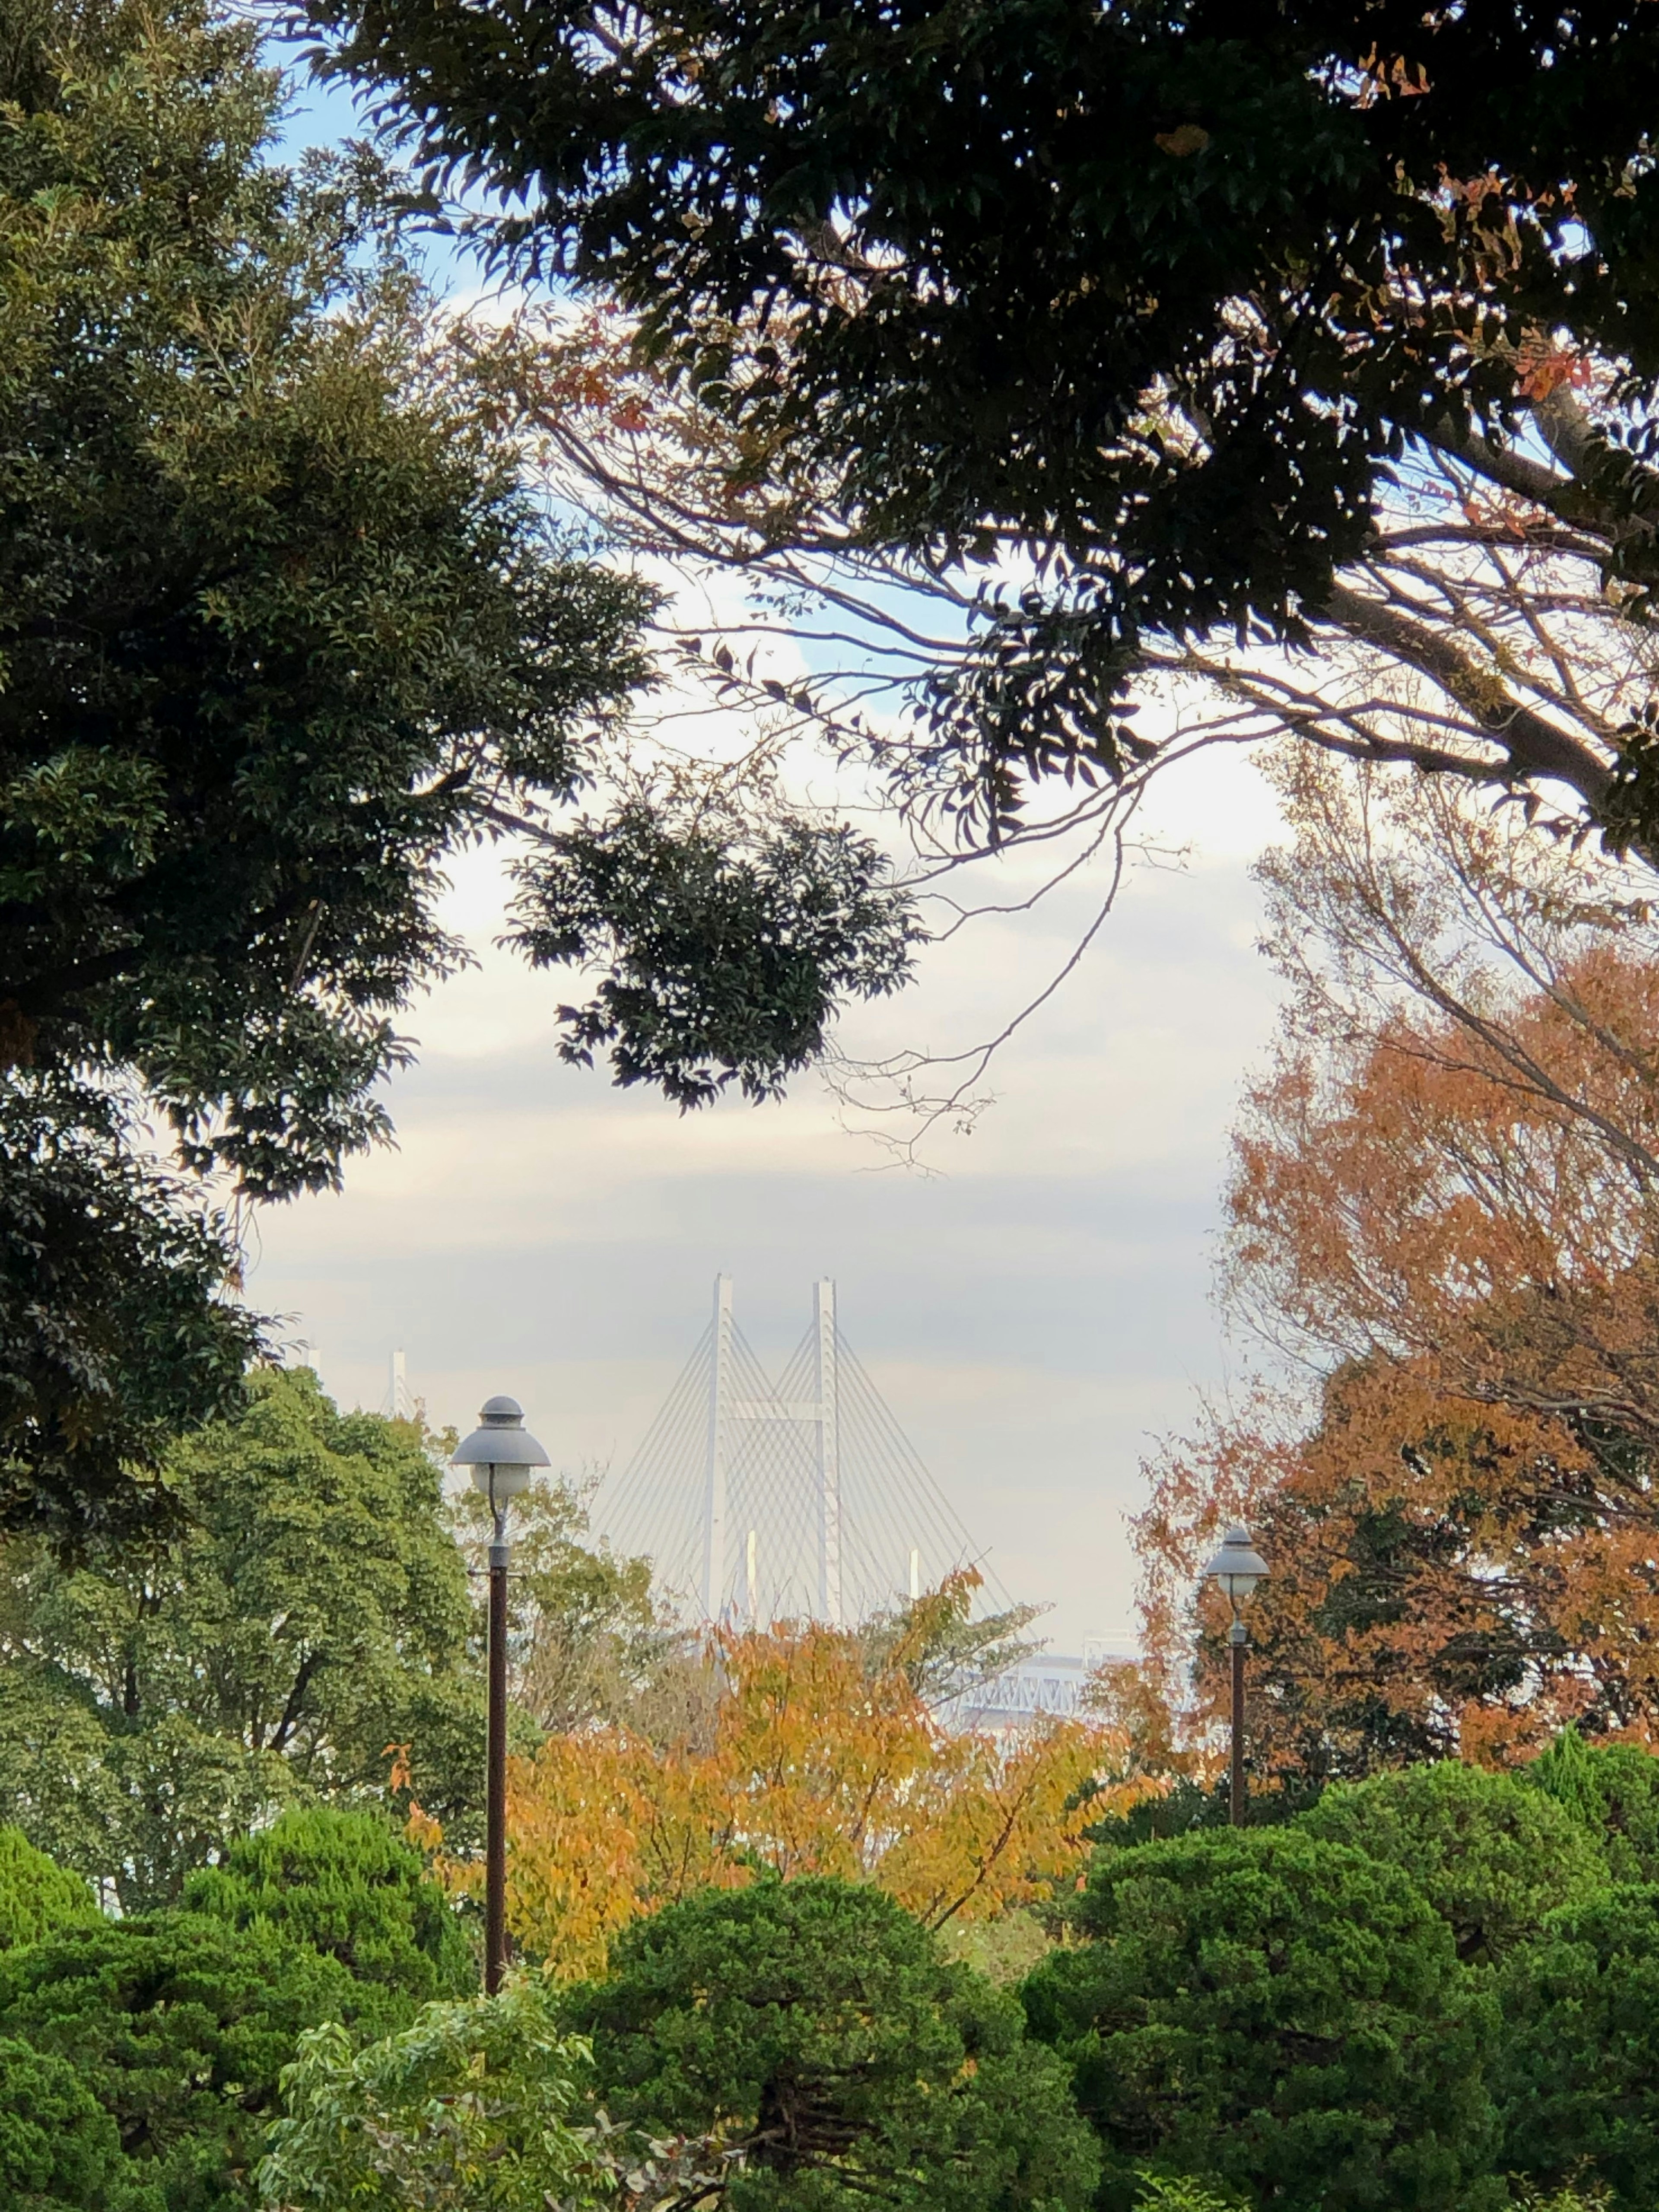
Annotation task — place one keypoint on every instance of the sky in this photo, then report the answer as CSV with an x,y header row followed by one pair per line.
x,y
1034,1303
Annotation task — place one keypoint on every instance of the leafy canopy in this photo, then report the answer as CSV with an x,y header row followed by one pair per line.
x,y
1492,1856
474,2105
37,1897
1147,303
343,1884
280,622
158,1698
178,2026
1576,2066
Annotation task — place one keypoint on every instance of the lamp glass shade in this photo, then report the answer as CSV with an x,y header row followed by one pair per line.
x,y
1237,1567
500,1451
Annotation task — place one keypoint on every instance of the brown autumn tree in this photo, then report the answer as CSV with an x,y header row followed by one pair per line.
x,y
1444,1207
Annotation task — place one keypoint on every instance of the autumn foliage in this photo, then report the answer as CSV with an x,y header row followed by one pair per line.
x,y
817,1760
1443,1201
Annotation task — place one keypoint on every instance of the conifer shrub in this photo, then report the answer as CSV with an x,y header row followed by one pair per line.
x,y
346,1885
178,2028
37,1897
1493,1856
814,2025
1281,2017
1576,2071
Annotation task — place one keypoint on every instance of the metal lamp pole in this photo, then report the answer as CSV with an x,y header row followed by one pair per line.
x,y
1238,1568
501,1452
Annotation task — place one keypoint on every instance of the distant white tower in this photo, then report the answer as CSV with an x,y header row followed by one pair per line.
x,y
799,1497
399,1405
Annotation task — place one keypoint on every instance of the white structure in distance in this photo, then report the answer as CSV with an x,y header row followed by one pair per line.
x,y
799,1496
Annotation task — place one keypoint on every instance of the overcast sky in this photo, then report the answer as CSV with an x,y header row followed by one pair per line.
x,y
1035,1309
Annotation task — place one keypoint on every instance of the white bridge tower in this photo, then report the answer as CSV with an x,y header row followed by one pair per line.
x,y
760,1499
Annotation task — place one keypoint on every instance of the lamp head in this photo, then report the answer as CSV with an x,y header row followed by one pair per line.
x,y
500,1451
1237,1567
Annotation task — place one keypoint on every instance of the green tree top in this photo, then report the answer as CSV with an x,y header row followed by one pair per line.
x,y
1493,1856
280,623
1613,1791
813,2027
312,1613
37,1897
1280,2016
342,1883
1143,303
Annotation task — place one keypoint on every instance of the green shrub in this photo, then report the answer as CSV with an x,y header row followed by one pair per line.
x,y
1613,1791
815,2024
1275,2015
178,2026
1578,2074
346,1885
37,1898
59,2151
1493,1857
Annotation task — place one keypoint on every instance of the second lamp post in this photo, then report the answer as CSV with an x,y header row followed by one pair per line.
x,y
501,1453
1238,1568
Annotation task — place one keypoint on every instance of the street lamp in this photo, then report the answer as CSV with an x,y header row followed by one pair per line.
x,y
501,1453
1238,1568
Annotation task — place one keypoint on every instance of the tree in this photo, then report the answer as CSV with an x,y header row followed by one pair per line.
x,y
178,2026
1142,343
1442,1205
1493,1856
811,2026
162,1699
283,626
1278,2015
37,1898
1576,2066
817,1763
343,1884
482,2106
115,1332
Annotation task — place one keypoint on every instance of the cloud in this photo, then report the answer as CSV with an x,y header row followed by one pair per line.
x,y
1032,1312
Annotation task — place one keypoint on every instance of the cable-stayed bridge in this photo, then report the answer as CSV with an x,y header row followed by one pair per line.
x,y
793,1497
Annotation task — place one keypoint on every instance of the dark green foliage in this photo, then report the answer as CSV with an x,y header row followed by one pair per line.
x,y
156,1699
36,1899
1492,1856
1576,2075
114,1328
1188,1806
1283,2016
59,2150
278,620
178,2026
814,2023
1611,1789
936,261
721,965
345,1884
277,624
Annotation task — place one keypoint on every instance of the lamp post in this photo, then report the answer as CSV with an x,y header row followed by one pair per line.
x,y
501,1453
1238,1568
